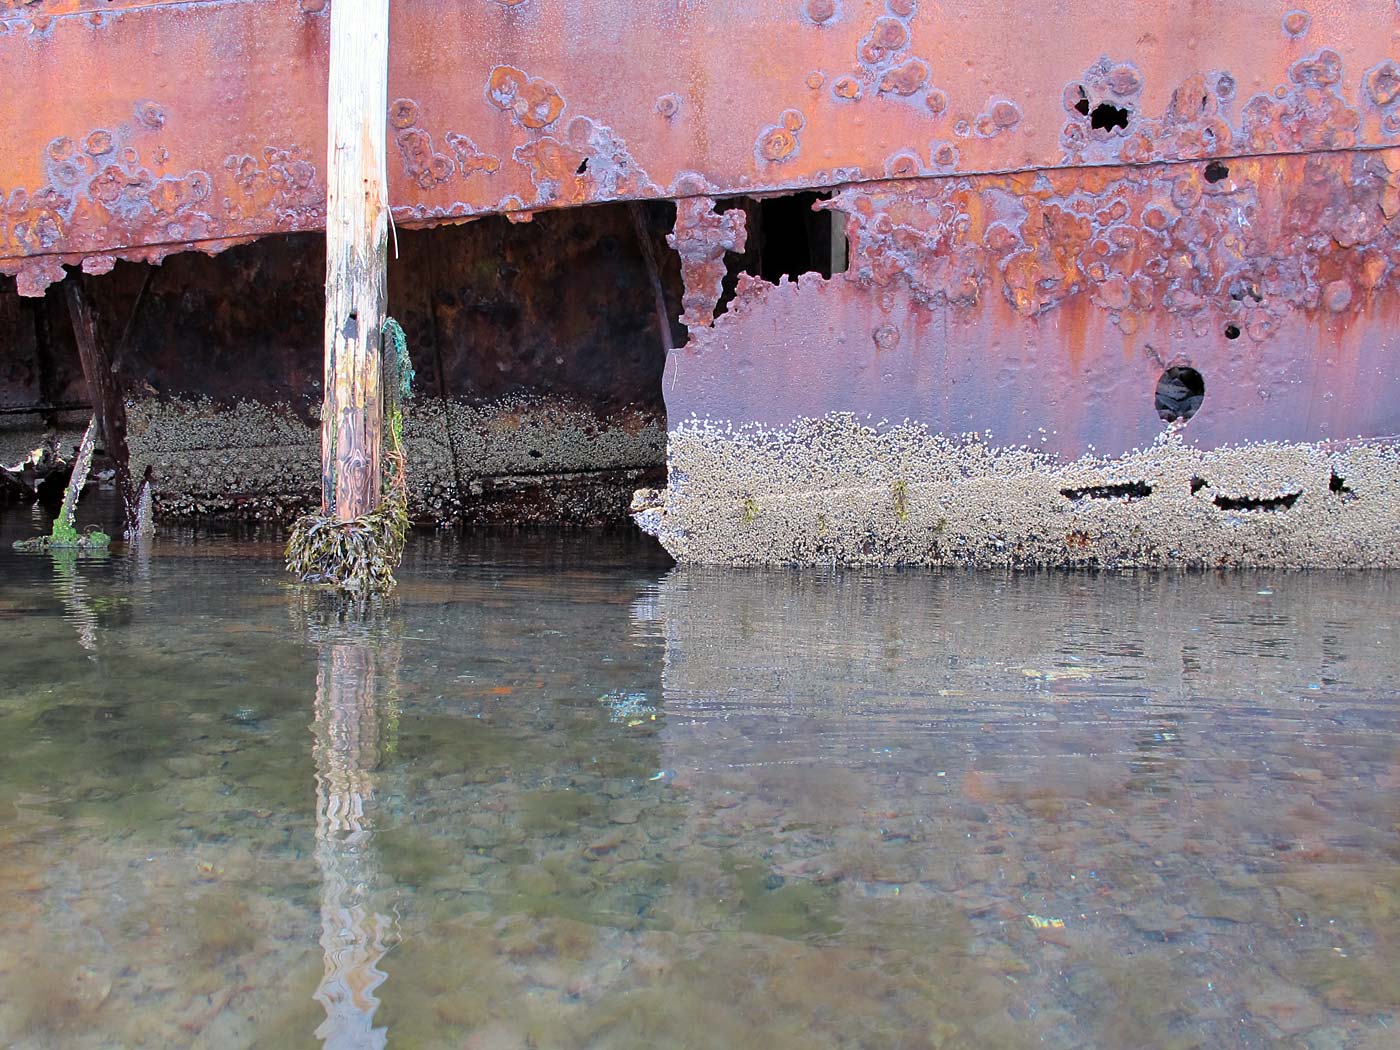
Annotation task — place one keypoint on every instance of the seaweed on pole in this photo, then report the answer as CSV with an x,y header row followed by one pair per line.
x,y
360,555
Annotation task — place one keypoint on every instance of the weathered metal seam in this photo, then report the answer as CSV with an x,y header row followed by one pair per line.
x,y
221,244
1163,162
212,245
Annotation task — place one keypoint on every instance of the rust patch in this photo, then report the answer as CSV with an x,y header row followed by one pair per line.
x,y
531,102
779,142
872,82
701,237
1189,240
905,78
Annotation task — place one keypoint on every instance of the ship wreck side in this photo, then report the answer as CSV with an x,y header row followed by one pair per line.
x,y
883,282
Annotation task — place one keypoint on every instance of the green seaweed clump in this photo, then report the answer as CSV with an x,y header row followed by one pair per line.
x,y
64,535
360,555
900,491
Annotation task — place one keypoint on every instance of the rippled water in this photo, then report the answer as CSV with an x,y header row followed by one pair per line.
x,y
557,795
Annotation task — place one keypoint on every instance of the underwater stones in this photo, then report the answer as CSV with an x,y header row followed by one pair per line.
x,y
1286,1007
624,811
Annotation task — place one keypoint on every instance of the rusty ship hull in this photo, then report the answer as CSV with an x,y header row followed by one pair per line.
x,y
883,282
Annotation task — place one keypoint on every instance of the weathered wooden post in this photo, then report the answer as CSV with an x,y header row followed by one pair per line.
x,y
357,539
108,407
357,231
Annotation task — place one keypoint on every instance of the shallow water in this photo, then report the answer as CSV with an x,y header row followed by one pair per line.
x,y
557,795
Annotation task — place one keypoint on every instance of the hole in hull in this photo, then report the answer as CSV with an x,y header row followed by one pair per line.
x,y
1128,490
1283,502
1180,391
786,238
1108,117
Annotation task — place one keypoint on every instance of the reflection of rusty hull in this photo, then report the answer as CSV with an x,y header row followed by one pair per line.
x,y
1046,209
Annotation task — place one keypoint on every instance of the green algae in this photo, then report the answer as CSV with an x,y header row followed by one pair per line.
x,y
64,535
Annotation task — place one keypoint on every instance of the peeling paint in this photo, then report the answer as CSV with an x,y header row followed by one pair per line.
x,y
701,238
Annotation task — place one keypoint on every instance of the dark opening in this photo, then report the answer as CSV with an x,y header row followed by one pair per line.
x,y
1232,331
1106,116
1083,104
1180,391
1119,490
1338,484
1257,502
583,167
1216,172
786,238
1197,484
1244,290
505,322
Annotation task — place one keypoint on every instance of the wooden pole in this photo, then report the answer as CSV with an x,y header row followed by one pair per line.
x,y
108,408
357,231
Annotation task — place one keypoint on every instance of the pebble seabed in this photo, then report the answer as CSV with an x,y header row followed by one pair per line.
x,y
836,490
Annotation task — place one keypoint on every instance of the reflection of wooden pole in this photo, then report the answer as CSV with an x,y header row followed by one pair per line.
x,y
107,406
357,230
353,934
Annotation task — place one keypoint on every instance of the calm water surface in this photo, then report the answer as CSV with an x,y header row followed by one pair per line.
x,y
557,795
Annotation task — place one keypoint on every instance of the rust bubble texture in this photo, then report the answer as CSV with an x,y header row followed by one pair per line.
x,y
906,78
1383,83
531,101
847,88
423,162
1296,88
779,142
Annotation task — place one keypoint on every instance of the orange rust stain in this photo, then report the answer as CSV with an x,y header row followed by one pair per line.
x,y
508,81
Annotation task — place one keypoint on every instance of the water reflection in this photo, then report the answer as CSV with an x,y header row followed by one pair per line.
x,y
355,720
1122,812
72,591
583,805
